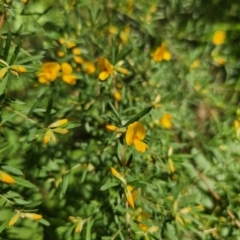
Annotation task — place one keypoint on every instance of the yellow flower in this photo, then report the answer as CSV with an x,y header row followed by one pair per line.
x,y
3,72
54,127
78,60
67,74
171,165
117,96
111,128
48,72
129,195
76,51
32,216
124,35
143,216
117,175
135,134
14,219
166,121
195,64
236,125
89,67
58,123
105,68
68,43
219,37
4,177
60,53
19,69
49,136
112,29
161,53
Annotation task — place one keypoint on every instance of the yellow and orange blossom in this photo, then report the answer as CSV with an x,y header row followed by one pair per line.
x,y
105,68
4,177
161,53
67,75
219,37
166,121
135,134
49,72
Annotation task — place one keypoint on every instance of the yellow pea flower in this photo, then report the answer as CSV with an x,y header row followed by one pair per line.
x,y
32,216
58,123
89,67
78,60
76,51
135,134
219,37
3,72
19,69
161,53
49,72
166,121
49,136
129,197
117,95
6,178
67,74
14,219
105,68
117,175
111,128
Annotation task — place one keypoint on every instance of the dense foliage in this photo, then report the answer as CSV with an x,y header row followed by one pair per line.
x,y
119,119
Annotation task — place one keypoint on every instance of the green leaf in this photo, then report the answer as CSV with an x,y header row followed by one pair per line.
x,y
72,125
20,201
44,222
108,185
29,59
88,230
16,101
13,170
7,45
16,52
33,204
32,134
23,182
138,116
64,185
35,105
115,112
48,111
4,225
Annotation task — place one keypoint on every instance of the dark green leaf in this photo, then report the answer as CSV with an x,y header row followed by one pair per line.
x,y
64,185
138,116
108,185
12,170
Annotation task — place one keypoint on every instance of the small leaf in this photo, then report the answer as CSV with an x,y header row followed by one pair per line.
x,y
13,170
7,45
108,185
23,182
64,185
35,105
138,116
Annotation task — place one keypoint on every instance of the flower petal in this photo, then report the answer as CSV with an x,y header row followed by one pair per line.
x,y
103,76
140,130
66,68
130,134
69,79
140,145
